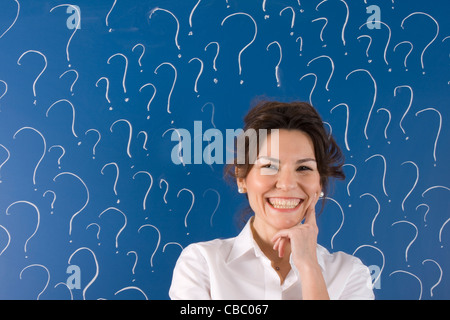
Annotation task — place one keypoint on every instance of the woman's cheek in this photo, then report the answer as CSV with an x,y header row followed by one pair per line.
x,y
310,183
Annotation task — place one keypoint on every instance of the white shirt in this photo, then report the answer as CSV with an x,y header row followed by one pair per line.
x,y
237,269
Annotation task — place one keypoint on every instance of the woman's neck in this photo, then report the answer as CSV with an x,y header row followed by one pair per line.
x,y
263,237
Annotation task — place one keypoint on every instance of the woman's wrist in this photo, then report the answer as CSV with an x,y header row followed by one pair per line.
x,y
313,282
304,267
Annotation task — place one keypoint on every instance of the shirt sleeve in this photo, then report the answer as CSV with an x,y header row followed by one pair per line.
x,y
190,279
359,283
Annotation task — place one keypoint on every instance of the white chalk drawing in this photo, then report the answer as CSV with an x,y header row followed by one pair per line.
x,y
136,71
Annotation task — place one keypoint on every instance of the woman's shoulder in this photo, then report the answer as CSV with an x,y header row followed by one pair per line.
x,y
207,248
347,277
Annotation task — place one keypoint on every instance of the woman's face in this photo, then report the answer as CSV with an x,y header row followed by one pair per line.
x,y
281,182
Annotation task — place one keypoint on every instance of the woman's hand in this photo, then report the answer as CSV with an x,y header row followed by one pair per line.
x,y
302,237
303,240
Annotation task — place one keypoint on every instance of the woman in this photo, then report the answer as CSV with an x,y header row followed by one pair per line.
x,y
276,255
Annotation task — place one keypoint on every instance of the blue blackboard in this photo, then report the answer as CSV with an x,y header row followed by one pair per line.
x,y
94,94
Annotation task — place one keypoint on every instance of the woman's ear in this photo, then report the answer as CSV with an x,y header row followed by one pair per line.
x,y
240,182
241,185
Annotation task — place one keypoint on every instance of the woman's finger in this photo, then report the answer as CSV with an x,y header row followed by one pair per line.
x,y
277,242
281,247
280,243
281,234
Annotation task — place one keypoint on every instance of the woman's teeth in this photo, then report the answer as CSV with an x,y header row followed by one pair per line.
x,y
278,203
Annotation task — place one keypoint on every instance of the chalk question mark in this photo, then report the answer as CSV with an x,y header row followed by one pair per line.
x,y
415,183
153,96
130,135
12,24
374,96
107,16
98,229
6,90
76,78
5,161
149,188
292,20
215,80
96,268
98,140
190,16
440,274
157,244
277,67
63,152
40,266
78,13
412,275
167,188
124,72
173,84
248,44
346,122
431,42
217,205
87,197
117,176
145,139
107,89
132,288
192,204
9,239
199,73
353,178
73,115
409,106
40,74
142,54
178,25
43,154
212,112
412,241
123,226
388,40
135,261
332,68
407,55
345,22
314,86
376,215
384,170
439,129
377,279
37,224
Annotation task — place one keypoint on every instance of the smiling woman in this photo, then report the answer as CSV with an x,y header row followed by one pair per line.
x,y
276,255
302,117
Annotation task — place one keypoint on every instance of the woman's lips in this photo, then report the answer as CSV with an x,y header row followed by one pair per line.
x,y
284,203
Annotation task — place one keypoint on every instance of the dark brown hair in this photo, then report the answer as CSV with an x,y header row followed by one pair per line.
x,y
294,116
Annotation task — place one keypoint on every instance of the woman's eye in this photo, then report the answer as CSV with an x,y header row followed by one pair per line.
x,y
269,166
269,170
304,168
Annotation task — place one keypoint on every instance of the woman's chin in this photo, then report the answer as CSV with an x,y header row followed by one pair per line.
x,y
282,223
284,219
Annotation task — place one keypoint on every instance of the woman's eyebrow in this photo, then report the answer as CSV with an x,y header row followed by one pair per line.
x,y
278,161
306,160
268,159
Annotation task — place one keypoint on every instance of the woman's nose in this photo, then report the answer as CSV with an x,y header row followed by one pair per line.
x,y
286,180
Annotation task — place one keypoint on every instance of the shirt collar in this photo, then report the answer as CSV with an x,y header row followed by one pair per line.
x,y
245,243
